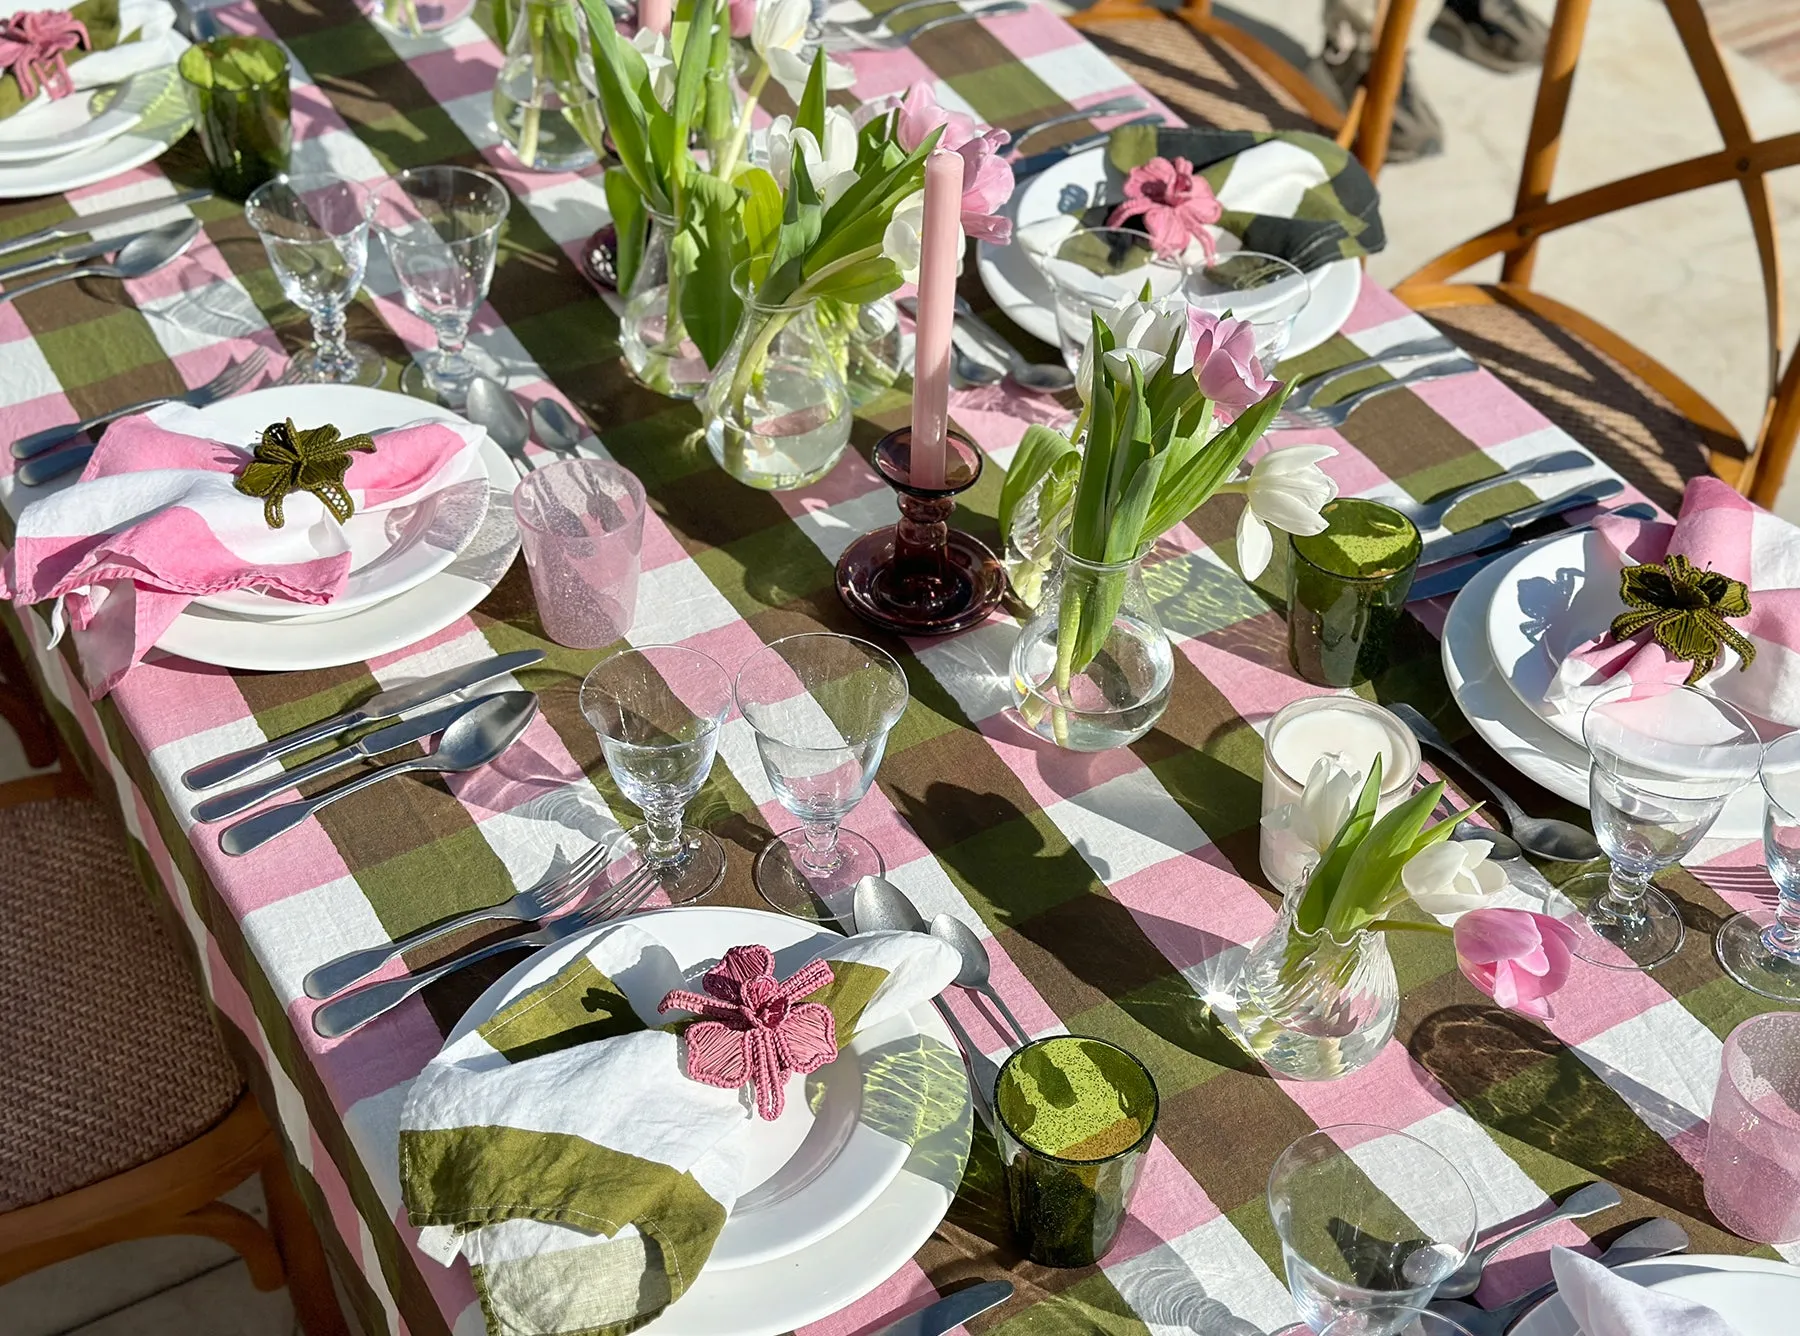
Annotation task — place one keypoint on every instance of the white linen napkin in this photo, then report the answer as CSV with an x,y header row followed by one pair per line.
x,y
1606,1304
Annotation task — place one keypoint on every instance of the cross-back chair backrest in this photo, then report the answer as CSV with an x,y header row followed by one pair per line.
x,y
1743,159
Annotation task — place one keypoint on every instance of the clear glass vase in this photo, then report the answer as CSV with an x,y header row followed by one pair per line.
x,y
658,351
415,18
1092,668
546,103
1038,524
1314,1008
777,409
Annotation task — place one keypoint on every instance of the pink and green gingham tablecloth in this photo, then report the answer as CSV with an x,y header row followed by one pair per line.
x,y
1115,890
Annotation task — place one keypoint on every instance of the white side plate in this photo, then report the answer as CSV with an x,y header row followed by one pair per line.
x,y
64,125
1755,1296
164,121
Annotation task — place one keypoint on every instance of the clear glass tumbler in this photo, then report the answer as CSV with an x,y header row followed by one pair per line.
x,y
441,229
316,231
658,711
1266,290
1760,948
821,706
1399,1321
1752,1173
1097,268
581,522
1370,1220
1665,759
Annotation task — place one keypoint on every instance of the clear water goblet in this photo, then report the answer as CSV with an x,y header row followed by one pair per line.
x,y
1265,290
441,229
1664,760
658,711
1371,1222
821,707
1760,948
1399,1321
1096,269
315,229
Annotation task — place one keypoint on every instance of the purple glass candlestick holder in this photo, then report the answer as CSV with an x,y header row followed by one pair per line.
x,y
921,577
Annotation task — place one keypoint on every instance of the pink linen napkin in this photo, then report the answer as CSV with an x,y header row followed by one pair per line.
x,y
155,521
1605,1304
1717,530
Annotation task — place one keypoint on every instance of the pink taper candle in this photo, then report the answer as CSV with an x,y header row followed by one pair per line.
x,y
939,257
656,15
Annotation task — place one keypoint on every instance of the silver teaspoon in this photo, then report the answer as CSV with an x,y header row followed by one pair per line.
x,y
143,254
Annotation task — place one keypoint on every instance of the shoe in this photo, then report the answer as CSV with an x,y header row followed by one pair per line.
x,y
1500,34
1417,132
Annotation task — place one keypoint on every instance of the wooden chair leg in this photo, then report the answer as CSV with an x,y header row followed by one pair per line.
x,y
303,1256
238,1231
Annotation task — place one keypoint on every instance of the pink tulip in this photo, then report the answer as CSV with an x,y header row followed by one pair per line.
x,y
1516,957
743,15
1225,363
1176,205
987,176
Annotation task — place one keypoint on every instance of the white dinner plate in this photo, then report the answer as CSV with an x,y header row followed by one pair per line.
x,y
817,1231
1020,289
165,120
1756,1297
391,550
1521,737
83,120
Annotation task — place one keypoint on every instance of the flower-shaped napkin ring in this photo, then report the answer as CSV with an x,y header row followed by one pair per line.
x,y
753,1028
290,460
1684,608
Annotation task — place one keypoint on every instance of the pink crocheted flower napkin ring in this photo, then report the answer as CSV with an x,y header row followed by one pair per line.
x,y
32,47
754,1030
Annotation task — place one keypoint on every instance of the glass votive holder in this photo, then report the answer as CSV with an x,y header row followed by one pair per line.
x,y
1347,591
237,88
1074,1120
1752,1174
1351,732
581,523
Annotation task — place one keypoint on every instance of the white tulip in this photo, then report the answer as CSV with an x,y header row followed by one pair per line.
x,y
1304,830
904,239
778,33
1453,877
791,69
832,168
1144,333
654,47
1286,490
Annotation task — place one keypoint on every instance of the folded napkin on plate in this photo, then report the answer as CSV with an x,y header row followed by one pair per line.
x,y
1718,530
124,37
156,520
561,1148
1605,1304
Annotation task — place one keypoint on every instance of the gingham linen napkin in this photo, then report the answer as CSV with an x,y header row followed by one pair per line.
x,y
1717,530
561,1148
1605,1304
155,520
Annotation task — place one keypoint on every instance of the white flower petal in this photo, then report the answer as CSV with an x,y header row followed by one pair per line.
x,y
1291,458
1255,548
790,71
1285,510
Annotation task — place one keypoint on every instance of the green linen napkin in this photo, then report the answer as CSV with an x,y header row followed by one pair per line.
x,y
101,18
562,1150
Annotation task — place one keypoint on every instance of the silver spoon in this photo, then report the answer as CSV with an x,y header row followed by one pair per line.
x,y
1544,836
1654,1238
476,736
143,254
1589,1200
492,408
975,965
556,428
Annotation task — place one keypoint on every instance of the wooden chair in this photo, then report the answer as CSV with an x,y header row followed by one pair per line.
x,y
124,1116
1635,413
1212,72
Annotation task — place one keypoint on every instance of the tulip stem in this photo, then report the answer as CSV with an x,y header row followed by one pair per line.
x,y
1403,925
727,164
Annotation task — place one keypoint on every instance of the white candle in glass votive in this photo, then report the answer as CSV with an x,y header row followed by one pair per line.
x,y
1351,731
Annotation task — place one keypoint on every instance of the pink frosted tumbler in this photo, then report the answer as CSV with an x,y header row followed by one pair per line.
x,y
581,522
1753,1139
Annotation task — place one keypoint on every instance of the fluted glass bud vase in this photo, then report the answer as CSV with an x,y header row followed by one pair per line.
x,y
777,409
546,101
658,352
1312,1007
1092,668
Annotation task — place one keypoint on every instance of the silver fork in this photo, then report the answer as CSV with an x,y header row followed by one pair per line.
x,y
1309,388
875,23
535,902
895,41
355,1009
1113,106
1337,414
1428,515
229,381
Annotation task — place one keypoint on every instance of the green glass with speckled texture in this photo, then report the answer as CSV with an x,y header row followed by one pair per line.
x,y
1347,591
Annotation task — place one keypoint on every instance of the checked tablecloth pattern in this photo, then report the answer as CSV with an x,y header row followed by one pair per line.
x,y
1116,890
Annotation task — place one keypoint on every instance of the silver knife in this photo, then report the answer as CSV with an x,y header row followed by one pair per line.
x,y
382,705
1439,583
87,250
1497,531
381,740
950,1312
1040,162
83,223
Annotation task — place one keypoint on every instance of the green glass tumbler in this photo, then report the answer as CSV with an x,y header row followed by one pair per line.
x,y
1347,591
1075,1118
238,89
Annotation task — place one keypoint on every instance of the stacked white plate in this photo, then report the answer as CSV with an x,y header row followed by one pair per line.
x,y
845,1186
1755,1297
414,569
1507,631
92,134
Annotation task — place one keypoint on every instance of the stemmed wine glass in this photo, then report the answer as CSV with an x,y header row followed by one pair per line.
x,y
1759,948
441,228
658,711
821,706
316,231
1665,758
